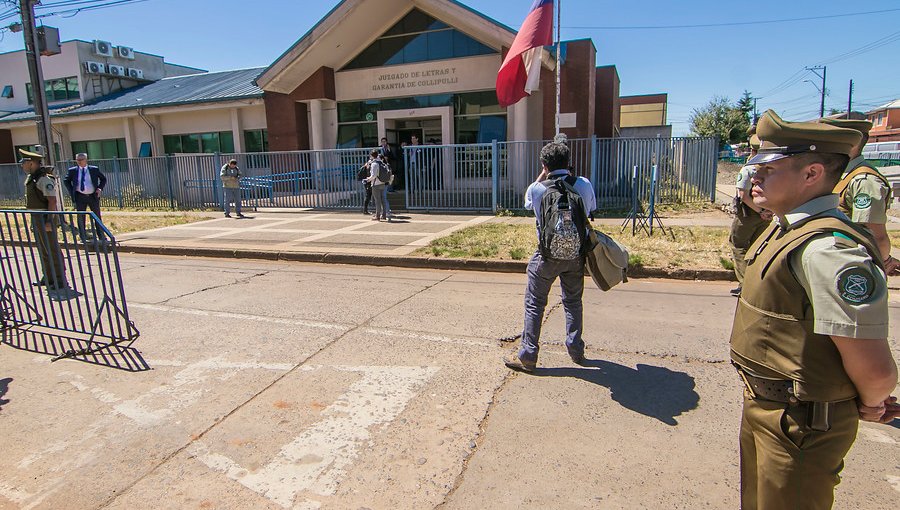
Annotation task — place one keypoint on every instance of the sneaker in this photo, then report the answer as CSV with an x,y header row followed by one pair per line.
x,y
736,292
514,362
241,215
227,215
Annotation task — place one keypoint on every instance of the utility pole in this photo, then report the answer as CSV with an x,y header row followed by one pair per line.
x,y
45,135
850,100
755,111
815,70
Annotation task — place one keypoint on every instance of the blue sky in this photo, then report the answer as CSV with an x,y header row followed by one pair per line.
x,y
691,65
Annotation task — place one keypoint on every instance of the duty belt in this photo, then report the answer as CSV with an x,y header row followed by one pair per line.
x,y
776,390
818,414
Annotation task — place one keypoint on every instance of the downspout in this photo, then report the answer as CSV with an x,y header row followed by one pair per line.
x,y
149,125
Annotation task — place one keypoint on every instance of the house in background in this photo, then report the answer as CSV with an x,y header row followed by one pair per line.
x,y
885,122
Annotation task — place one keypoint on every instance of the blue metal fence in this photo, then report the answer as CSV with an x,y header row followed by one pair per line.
x,y
494,176
473,177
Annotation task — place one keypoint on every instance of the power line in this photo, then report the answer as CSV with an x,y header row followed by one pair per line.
x,y
732,23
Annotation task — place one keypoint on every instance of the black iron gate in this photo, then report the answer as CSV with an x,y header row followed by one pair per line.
x,y
61,290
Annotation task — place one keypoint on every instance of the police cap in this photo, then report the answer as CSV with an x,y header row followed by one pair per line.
x,y
781,139
861,125
30,156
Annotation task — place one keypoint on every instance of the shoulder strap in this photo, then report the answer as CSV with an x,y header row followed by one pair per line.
x,y
825,225
860,170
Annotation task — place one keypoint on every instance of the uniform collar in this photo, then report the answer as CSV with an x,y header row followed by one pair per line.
x,y
853,164
814,207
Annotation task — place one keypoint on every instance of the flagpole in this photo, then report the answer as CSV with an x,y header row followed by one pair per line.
x,y
558,44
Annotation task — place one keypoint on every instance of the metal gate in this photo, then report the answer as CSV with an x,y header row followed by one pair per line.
x,y
61,290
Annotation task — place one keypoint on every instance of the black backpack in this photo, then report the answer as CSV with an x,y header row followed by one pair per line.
x,y
562,234
384,173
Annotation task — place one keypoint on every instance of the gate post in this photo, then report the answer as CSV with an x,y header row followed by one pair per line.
x,y
217,164
595,162
117,169
168,160
495,175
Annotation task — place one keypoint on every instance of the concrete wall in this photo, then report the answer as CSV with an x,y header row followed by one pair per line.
x,y
608,108
14,71
648,110
236,118
646,132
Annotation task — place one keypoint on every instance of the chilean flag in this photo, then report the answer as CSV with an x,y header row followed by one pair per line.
x,y
521,70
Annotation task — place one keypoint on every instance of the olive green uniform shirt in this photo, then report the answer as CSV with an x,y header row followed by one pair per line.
x,y
866,196
846,289
45,185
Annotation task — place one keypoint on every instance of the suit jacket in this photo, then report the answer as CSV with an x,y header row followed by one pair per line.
x,y
97,178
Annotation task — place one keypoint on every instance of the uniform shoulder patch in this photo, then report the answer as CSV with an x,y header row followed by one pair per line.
x,y
856,285
862,201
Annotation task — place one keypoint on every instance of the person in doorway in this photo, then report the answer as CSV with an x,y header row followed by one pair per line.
x,y
416,165
543,269
231,187
400,167
40,195
865,194
85,184
750,220
809,338
387,153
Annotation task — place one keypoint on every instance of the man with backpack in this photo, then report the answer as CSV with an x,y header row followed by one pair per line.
x,y
561,203
379,177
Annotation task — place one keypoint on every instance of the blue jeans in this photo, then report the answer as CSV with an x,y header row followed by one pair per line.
x,y
541,275
384,198
232,195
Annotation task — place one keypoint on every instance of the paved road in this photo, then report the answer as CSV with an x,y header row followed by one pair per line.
x,y
278,385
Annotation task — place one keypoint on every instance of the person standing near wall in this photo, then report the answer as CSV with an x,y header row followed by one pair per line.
x,y
231,187
85,184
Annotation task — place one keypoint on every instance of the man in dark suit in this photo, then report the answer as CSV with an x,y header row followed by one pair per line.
x,y
85,184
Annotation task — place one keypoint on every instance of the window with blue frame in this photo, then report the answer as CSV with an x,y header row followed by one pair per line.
x,y
418,37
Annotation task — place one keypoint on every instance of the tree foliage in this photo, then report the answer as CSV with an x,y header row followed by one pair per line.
x,y
723,119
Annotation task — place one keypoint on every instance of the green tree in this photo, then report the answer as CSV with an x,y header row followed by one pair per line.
x,y
720,118
745,103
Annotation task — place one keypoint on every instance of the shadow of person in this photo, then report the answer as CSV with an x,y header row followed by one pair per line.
x,y
653,391
4,387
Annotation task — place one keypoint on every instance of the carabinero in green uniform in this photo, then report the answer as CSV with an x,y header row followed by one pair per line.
x,y
40,195
750,220
864,193
809,338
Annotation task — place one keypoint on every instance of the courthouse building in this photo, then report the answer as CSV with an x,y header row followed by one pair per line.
x,y
368,69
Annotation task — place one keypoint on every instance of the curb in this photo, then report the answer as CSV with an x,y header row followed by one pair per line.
x,y
496,266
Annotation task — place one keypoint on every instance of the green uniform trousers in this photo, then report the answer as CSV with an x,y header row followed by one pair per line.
x,y
744,230
785,464
48,250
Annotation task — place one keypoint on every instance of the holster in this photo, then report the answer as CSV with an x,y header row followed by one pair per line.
x,y
818,414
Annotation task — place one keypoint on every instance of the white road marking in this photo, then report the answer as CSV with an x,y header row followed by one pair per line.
x,y
430,338
315,461
894,481
240,316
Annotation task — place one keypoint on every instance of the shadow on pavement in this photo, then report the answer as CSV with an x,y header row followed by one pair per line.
x,y
119,356
653,391
4,387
